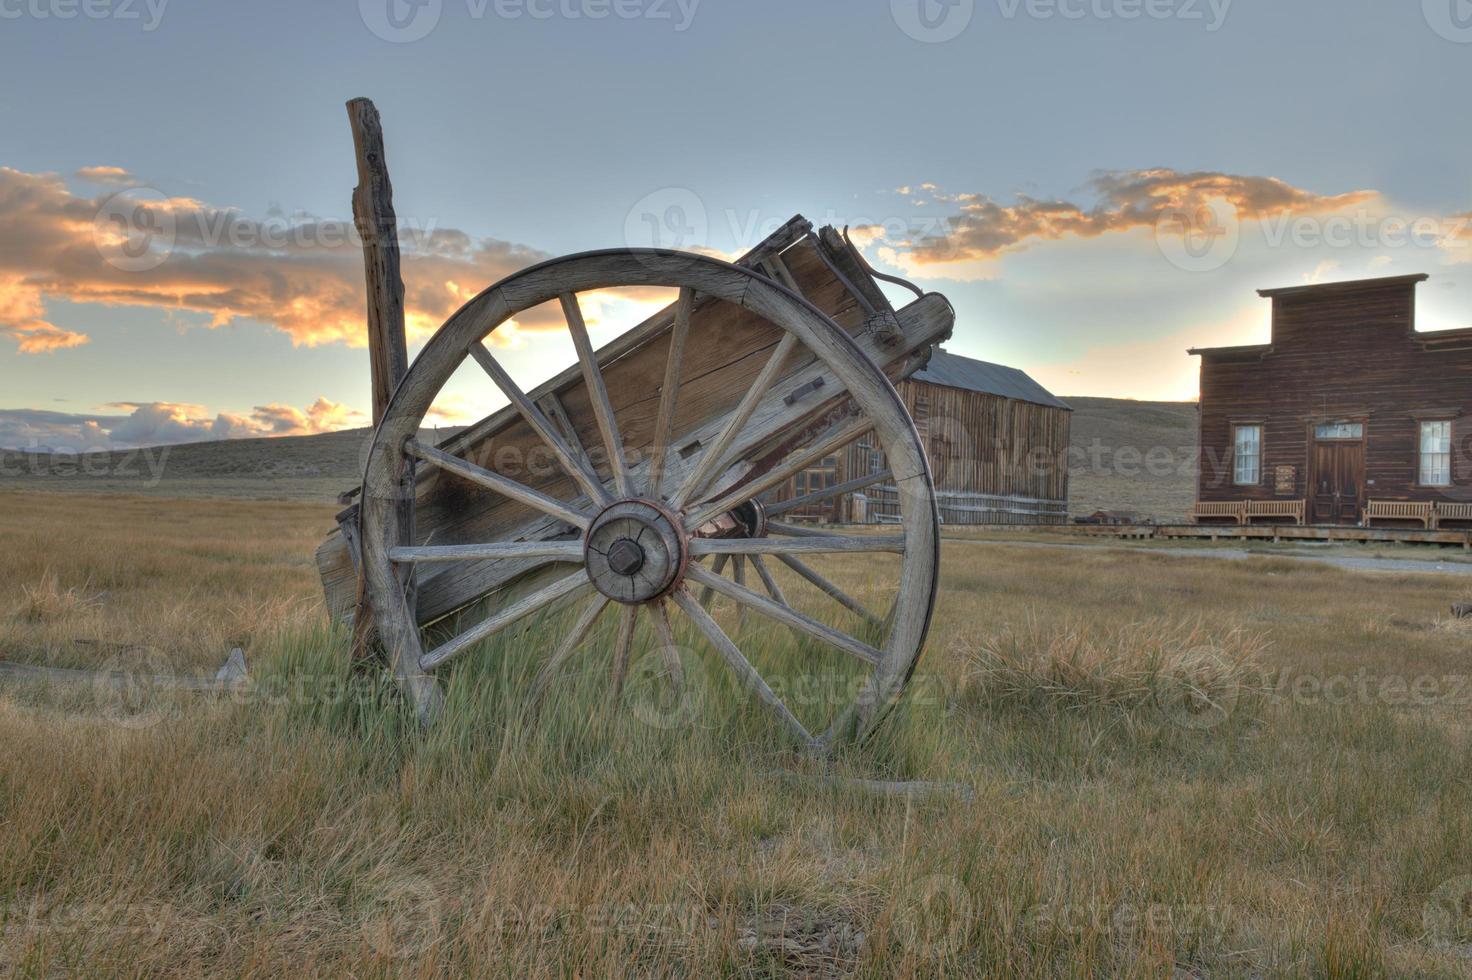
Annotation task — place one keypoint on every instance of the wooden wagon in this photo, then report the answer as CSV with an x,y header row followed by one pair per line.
x,y
656,452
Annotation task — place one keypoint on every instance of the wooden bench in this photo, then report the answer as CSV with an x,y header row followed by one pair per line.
x,y
1219,509
1400,510
1451,512
1276,508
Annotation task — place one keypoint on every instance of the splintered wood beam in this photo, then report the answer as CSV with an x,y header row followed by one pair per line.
x,y
378,228
388,356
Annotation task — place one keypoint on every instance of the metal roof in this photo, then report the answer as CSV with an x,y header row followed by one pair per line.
x,y
955,371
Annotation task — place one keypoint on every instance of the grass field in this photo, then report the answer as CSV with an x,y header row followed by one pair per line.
x,y
1309,814
1126,455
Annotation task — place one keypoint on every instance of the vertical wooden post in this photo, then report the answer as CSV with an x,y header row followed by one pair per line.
x,y
373,213
388,355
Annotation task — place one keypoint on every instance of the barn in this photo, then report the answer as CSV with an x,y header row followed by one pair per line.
x,y
998,448
1348,415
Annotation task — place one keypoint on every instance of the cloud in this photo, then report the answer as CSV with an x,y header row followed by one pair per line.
x,y
132,424
299,273
981,230
115,176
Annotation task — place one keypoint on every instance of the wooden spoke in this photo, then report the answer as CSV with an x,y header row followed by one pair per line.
x,y
848,486
561,550
597,393
765,574
710,460
828,588
567,458
622,647
502,485
820,544
665,422
706,594
565,650
786,615
794,465
745,673
570,585
669,650
738,573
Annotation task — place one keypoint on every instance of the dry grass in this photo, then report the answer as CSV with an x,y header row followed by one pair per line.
x,y
1316,825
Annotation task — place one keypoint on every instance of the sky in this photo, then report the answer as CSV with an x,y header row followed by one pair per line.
x,y
1095,184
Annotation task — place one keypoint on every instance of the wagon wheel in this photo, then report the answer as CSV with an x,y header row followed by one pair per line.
x,y
637,538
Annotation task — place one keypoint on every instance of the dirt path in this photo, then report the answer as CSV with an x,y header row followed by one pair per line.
x,y
1241,554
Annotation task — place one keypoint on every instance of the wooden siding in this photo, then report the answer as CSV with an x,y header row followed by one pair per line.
x,y
995,461
1340,353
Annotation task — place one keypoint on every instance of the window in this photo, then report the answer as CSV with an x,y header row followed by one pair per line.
x,y
1436,453
1247,457
1340,430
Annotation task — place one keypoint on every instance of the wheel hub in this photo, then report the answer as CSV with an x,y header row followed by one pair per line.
x,y
635,551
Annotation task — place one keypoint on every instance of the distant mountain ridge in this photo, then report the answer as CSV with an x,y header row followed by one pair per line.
x,y
1125,455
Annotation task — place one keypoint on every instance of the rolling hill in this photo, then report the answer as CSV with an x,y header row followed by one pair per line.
x,y
1126,455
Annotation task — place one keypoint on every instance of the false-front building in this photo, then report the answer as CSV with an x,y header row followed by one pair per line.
x,y
1347,416
997,442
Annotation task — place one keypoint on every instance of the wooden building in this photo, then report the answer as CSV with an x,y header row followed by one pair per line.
x,y
1348,415
998,447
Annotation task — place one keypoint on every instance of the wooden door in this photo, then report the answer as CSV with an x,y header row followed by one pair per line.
x,y
1339,480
